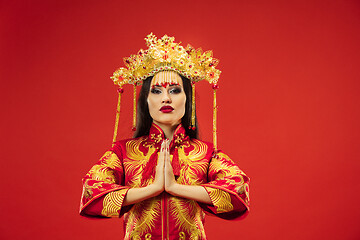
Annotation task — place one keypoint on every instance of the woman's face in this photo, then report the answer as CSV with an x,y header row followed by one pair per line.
x,y
166,98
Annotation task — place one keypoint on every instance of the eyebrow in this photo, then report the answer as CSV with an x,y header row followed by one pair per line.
x,y
165,84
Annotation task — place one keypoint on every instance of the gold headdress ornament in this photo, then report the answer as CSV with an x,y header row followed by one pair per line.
x,y
164,54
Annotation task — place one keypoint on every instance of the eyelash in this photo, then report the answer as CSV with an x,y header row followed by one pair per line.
x,y
174,90
155,91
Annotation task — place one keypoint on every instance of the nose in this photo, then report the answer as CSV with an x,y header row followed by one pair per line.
x,y
166,98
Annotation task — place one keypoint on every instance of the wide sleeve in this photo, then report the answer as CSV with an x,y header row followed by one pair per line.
x,y
103,190
228,188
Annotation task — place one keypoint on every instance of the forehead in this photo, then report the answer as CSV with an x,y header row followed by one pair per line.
x,y
166,77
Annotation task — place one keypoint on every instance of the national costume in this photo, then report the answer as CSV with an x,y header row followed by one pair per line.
x,y
131,163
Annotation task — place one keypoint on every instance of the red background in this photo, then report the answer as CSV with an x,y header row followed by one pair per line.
x,y
288,108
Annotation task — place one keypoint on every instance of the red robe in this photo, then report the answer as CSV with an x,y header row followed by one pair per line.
x,y
131,164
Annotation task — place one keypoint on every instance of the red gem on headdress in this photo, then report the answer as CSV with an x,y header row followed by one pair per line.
x,y
134,129
210,64
190,66
215,86
120,90
144,67
127,61
165,57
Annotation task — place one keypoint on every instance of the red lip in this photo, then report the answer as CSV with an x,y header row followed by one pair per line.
x,y
166,109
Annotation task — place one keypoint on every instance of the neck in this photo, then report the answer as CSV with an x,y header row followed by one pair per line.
x,y
167,129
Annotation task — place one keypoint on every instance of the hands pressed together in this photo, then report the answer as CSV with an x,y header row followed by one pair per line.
x,y
165,181
164,176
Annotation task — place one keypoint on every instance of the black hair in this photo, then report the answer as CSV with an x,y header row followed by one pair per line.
x,y
144,119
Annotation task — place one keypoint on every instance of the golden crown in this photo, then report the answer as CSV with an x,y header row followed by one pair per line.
x,y
164,54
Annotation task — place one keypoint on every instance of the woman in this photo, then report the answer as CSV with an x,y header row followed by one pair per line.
x,y
164,179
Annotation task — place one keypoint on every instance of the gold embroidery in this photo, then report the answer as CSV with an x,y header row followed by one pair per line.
x,y
193,164
179,138
226,169
88,190
185,213
227,166
244,189
147,236
104,171
112,203
143,216
220,199
181,236
136,161
156,138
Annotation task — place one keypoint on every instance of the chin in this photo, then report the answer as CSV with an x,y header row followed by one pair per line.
x,y
168,122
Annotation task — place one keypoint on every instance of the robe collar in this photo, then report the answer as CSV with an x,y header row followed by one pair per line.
x,y
156,135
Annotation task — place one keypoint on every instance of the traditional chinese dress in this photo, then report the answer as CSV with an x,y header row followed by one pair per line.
x,y
131,164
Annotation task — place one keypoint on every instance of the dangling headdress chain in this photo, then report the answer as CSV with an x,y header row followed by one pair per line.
x,y
165,55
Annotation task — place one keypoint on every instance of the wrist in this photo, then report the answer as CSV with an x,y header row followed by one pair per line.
x,y
173,189
154,189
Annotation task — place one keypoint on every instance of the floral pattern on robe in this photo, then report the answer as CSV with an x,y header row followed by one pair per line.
x,y
131,164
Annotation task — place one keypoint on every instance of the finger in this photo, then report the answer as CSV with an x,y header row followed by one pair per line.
x,y
166,147
168,159
161,157
163,146
167,154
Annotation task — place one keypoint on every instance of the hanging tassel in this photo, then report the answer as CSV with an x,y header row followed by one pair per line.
x,y
192,126
120,91
149,169
215,87
134,109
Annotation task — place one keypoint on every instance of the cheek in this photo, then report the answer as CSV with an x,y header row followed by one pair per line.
x,y
182,102
151,105
152,100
